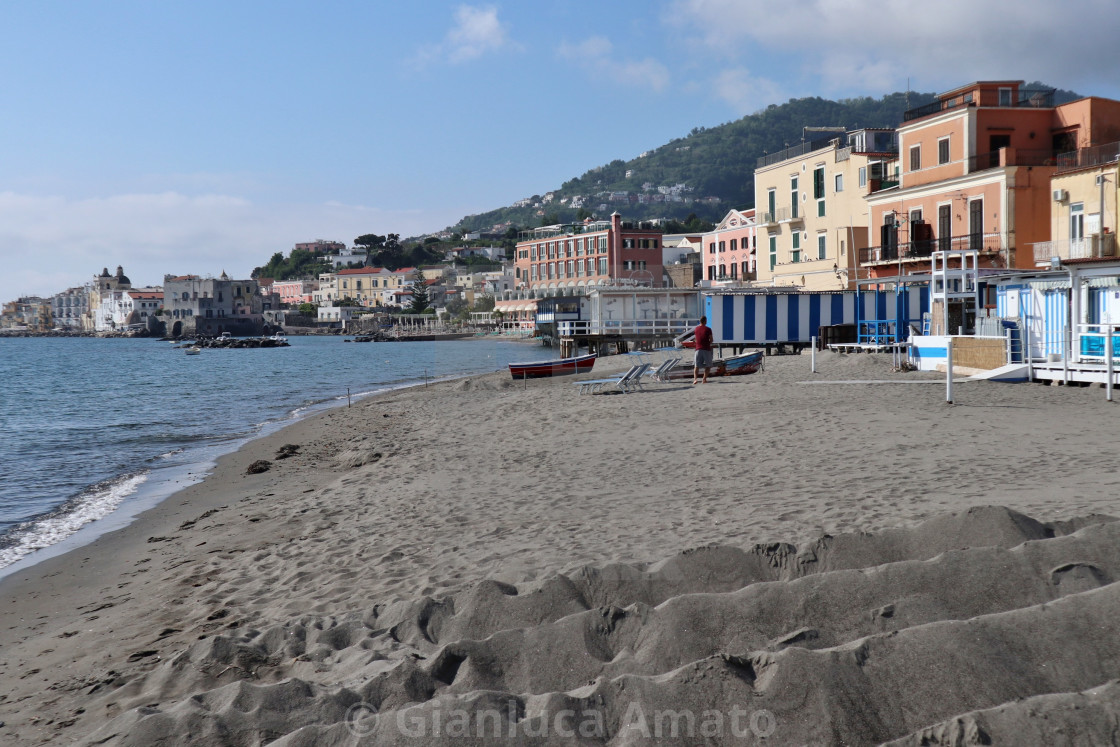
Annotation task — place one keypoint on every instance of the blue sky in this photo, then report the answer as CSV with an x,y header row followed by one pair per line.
x,y
204,136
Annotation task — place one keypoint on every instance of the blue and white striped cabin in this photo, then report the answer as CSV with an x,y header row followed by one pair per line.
x,y
760,318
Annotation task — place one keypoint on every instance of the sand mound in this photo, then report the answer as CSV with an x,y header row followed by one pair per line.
x,y
856,638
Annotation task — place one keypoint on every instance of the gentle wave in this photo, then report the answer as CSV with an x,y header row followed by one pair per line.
x,y
95,503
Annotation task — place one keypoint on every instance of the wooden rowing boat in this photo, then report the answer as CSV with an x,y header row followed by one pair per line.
x,y
557,367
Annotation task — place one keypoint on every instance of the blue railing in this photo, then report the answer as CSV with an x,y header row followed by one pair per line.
x,y
878,331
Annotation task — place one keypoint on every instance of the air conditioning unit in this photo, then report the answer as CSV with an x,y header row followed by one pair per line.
x,y
1060,195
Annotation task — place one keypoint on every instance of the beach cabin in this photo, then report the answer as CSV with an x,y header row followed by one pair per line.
x,y
763,317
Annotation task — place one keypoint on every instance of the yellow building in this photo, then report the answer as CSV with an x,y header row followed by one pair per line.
x,y
1083,206
810,208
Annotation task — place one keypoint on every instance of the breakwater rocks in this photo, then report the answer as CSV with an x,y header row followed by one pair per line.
x,y
239,342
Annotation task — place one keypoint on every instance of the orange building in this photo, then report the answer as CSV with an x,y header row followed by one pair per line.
x,y
975,174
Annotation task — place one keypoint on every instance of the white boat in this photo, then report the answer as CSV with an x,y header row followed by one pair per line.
x,y
193,350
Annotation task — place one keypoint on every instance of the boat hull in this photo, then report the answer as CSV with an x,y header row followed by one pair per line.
x,y
739,365
546,369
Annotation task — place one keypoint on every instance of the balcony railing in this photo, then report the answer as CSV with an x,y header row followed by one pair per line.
x,y
1033,97
658,327
789,215
1093,247
793,151
1011,157
987,242
1088,157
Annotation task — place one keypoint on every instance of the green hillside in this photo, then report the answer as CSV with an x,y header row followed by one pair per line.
x,y
715,162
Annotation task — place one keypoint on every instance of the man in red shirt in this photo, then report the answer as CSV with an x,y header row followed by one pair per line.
x,y
703,339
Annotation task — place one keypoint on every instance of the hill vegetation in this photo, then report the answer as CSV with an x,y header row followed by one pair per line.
x,y
705,173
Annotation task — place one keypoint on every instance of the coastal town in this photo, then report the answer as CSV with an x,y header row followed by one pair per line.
x,y
409,544
991,212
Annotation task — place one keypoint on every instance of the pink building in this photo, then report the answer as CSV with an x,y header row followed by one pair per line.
x,y
728,251
294,292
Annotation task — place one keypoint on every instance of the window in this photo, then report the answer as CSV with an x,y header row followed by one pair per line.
x,y
628,243
916,158
722,271
862,176
551,271
712,247
818,182
793,196
771,204
943,150
795,255
838,182
570,269
603,247
773,252
1005,97
711,272
746,269
734,244
821,246
1076,222
734,271
602,261
722,246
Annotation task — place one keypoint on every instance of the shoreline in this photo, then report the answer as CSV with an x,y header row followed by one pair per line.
x,y
159,481
426,492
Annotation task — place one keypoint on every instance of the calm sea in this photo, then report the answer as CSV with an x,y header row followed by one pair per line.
x,y
94,431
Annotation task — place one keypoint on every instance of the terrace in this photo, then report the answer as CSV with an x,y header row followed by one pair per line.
x,y
989,243
1039,98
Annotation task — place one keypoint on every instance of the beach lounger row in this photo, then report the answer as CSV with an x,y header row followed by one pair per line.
x,y
629,381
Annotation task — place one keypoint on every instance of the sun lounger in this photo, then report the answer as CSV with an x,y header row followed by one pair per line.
x,y
659,373
622,382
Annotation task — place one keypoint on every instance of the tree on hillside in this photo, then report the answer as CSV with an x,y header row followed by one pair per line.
x,y
389,253
420,298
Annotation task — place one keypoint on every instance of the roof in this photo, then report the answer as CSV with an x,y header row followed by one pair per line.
x,y
361,271
145,294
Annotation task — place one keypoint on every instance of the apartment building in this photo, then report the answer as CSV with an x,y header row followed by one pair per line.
x,y
374,286
975,174
210,306
1084,194
810,212
728,251
294,292
566,258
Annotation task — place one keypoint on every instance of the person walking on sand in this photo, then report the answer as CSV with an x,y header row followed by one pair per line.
x,y
702,336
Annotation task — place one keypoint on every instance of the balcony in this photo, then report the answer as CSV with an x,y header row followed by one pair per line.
x,y
1039,98
1093,247
1099,155
989,243
1011,157
791,216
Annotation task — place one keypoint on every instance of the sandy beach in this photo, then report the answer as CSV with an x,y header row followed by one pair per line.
x,y
755,560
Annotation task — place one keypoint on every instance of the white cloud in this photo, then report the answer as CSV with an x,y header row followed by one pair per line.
x,y
50,243
477,31
745,93
831,47
594,55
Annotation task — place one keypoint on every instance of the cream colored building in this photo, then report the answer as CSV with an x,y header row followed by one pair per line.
x,y
810,210
1084,199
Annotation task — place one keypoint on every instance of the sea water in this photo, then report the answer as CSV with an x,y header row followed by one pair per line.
x,y
92,431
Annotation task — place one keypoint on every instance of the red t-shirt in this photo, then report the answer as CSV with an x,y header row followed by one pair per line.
x,y
703,337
